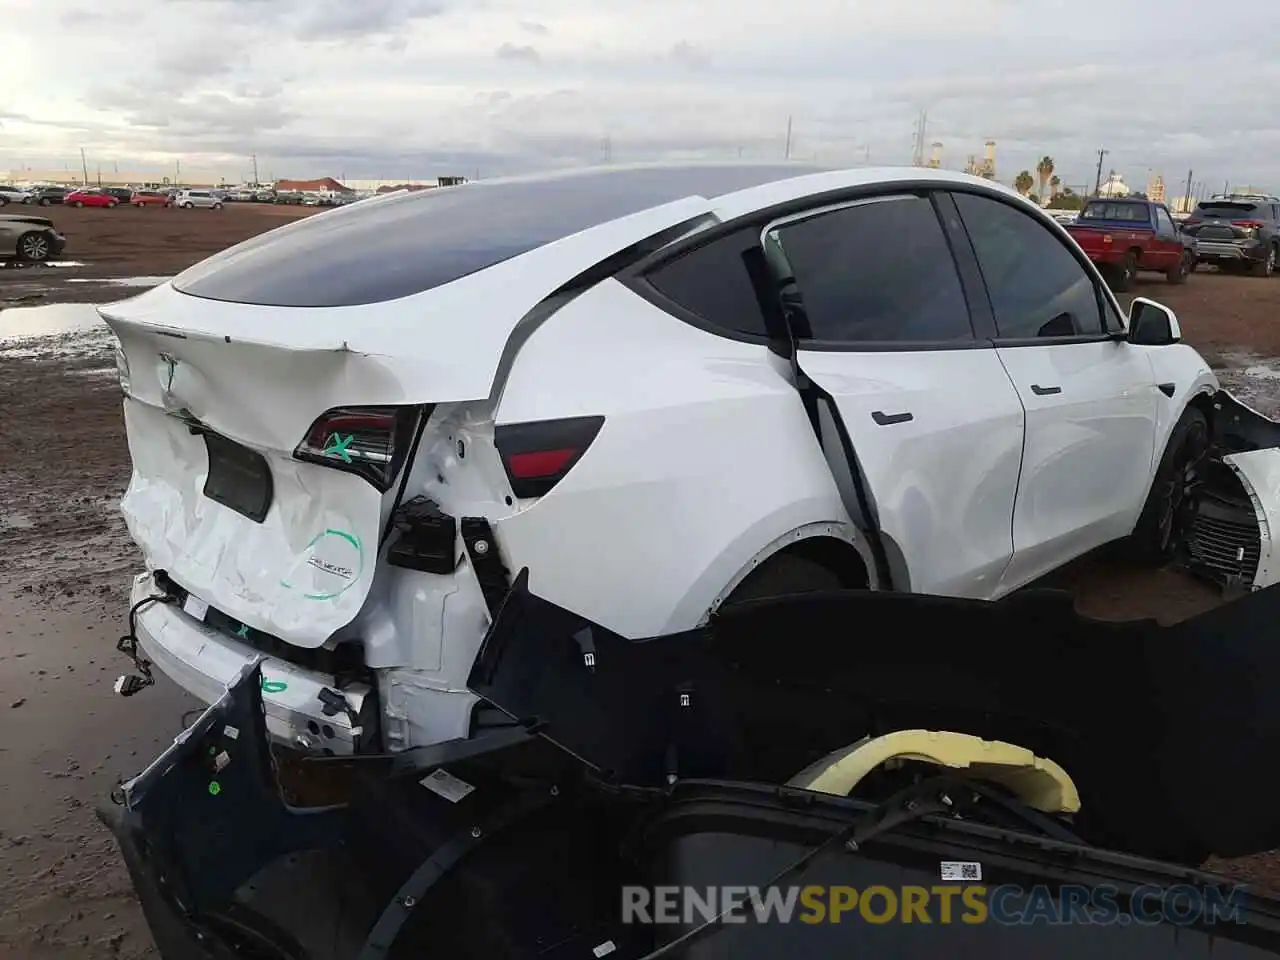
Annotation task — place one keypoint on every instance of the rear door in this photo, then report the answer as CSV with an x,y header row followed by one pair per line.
x,y
1090,399
882,325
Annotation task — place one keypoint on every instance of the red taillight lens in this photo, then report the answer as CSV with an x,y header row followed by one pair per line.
x,y
1247,224
369,441
538,455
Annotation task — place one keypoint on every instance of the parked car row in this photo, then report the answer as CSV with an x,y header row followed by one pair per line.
x,y
109,197
1126,235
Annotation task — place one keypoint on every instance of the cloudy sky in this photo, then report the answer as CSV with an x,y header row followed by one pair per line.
x,y
420,88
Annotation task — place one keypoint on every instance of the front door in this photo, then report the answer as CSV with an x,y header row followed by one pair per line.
x,y
936,428
1090,398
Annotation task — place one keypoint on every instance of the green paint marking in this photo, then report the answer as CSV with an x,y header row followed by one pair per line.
x,y
243,631
214,788
352,539
337,446
274,686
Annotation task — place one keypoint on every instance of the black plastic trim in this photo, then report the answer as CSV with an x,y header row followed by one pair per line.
x,y
1040,391
1167,389
486,561
981,316
1006,342
889,419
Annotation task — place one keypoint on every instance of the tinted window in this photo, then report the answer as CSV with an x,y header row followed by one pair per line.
x,y
1037,287
876,272
395,246
1164,221
1223,210
1116,210
712,281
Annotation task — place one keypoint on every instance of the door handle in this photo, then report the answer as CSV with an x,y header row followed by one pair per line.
x,y
887,419
1040,391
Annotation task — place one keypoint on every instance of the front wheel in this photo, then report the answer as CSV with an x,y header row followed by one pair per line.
x,y
1156,533
188,205
217,206
34,247
78,205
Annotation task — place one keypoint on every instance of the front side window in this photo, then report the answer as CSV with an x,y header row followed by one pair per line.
x,y
875,272
1164,221
1037,287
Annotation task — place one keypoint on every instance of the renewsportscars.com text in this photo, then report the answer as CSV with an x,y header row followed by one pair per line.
x,y
943,903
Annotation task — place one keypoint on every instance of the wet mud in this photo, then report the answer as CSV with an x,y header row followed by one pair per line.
x,y
66,560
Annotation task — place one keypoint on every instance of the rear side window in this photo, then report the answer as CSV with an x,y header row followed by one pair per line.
x,y
1117,210
712,281
1227,211
878,272
1037,287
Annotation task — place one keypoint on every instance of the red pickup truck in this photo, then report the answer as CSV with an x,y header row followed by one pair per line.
x,y
1127,234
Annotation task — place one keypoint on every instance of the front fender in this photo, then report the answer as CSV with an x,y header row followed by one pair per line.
x,y
1190,376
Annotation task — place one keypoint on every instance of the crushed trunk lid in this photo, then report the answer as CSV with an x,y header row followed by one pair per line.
x,y
251,382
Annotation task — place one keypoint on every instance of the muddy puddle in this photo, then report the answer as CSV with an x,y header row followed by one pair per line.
x,y
1255,380
60,331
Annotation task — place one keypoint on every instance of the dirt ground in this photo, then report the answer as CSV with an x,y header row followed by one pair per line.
x,y
128,242
67,559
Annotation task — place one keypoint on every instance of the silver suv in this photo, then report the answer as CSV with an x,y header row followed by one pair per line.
x,y
197,198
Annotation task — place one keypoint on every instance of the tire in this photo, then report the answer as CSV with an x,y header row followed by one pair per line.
x,y
4,201
1125,273
1155,534
1178,274
112,205
44,202
78,205
217,206
1265,267
138,205
781,576
188,205
34,247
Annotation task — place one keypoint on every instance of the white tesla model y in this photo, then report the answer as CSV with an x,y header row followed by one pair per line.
x,y
659,388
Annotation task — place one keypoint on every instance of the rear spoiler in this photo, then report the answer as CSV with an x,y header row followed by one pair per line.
x,y
1165,730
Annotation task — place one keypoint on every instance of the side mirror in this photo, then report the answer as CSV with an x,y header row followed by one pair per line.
x,y
1152,324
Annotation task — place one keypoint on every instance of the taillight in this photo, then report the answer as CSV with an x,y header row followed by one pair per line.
x,y
537,455
369,441
1247,224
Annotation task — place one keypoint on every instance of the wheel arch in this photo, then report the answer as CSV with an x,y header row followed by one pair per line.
x,y
836,546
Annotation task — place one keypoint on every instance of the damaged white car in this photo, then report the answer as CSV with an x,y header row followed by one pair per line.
x,y
659,389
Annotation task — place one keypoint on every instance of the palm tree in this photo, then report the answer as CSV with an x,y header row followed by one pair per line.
x,y
1023,182
1044,170
1054,183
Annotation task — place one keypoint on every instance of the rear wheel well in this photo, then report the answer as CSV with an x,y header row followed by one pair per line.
x,y
812,563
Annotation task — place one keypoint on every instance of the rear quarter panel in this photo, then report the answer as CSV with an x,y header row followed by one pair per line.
x,y
706,462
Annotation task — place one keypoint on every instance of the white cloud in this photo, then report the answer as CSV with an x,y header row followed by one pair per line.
x,y
429,87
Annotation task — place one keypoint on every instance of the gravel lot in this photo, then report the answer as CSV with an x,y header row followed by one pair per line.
x,y
68,558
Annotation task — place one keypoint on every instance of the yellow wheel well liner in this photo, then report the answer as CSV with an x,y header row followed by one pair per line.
x,y
1037,781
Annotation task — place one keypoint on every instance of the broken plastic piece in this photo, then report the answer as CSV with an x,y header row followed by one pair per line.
x,y
1038,782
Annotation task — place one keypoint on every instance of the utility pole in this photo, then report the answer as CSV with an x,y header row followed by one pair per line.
x,y
1097,180
254,158
84,167
787,152
1188,194
177,173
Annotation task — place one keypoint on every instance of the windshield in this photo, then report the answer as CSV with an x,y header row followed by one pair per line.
x,y
1116,210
